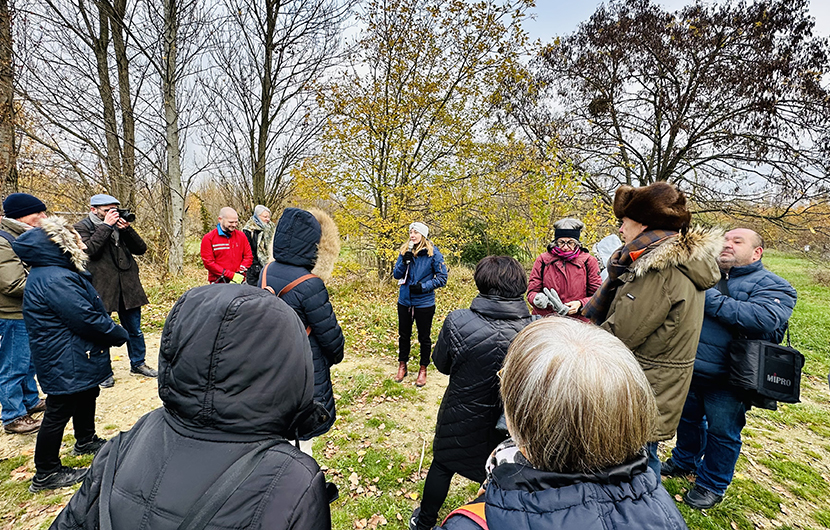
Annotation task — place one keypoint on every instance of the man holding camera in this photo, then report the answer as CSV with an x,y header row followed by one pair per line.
x,y
111,243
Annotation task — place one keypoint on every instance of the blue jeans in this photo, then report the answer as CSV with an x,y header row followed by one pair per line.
x,y
709,436
18,390
653,459
131,321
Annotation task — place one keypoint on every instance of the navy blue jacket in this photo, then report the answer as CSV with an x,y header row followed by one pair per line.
x,y
295,253
628,496
70,332
758,307
471,349
429,271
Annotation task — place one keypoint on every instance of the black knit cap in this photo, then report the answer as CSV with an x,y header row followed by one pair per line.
x,y
572,233
19,205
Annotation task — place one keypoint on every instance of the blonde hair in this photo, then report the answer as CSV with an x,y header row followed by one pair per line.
x,y
575,398
424,244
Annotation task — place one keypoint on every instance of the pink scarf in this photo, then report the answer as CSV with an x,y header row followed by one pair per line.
x,y
567,255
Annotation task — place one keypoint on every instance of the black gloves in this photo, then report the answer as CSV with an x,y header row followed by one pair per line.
x,y
416,288
408,257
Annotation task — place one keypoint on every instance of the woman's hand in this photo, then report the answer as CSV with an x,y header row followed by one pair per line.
x,y
574,306
416,288
409,257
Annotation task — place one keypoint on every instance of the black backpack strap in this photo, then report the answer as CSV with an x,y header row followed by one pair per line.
x,y
201,513
104,496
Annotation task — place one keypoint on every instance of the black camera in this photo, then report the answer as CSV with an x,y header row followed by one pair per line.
x,y
126,214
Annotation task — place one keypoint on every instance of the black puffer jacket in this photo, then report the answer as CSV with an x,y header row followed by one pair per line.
x,y
470,349
234,371
296,242
627,496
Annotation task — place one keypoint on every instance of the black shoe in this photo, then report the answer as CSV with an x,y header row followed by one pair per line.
x,y
143,369
413,521
89,448
65,476
109,382
670,469
701,498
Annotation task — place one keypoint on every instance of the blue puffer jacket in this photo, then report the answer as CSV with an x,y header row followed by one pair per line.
x,y
70,332
296,241
758,307
628,496
429,271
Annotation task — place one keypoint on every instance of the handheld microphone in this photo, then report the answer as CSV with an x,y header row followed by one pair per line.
x,y
411,245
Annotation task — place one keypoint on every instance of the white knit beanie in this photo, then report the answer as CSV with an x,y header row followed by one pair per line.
x,y
421,228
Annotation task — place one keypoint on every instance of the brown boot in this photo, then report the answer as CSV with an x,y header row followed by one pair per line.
x,y
401,372
422,377
22,425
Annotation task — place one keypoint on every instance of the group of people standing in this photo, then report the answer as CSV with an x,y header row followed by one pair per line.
x,y
60,285
561,386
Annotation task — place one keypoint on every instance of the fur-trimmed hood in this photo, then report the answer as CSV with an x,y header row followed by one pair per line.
x,y
693,252
54,243
307,239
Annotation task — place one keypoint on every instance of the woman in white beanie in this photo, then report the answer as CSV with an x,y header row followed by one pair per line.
x,y
420,270
260,233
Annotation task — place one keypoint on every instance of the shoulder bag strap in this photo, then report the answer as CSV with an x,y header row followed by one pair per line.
x,y
263,278
295,283
7,236
105,494
473,511
218,494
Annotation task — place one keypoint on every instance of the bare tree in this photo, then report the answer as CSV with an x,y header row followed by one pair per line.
x,y
8,149
268,55
725,99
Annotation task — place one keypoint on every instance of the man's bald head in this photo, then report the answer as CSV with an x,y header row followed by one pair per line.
x,y
228,219
741,247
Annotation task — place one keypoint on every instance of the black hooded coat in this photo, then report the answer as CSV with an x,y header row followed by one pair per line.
x,y
296,244
234,371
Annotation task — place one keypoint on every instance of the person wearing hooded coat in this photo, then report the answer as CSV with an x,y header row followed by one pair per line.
x,y
306,245
70,334
236,379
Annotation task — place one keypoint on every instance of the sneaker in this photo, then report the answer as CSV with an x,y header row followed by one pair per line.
x,y
700,498
109,382
40,407
89,448
65,476
670,469
143,369
23,425
413,521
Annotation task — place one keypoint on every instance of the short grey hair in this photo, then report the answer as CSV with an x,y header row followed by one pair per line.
x,y
575,398
569,223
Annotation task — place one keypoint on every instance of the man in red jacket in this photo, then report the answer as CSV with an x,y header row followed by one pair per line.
x,y
225,251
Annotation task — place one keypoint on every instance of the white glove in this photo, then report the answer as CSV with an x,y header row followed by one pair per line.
x,y
541,301
556,303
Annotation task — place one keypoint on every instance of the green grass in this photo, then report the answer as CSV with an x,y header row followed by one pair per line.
x,y
383,426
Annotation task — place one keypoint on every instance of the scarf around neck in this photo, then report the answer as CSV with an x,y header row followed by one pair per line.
x,y
597,307
567,255
98,221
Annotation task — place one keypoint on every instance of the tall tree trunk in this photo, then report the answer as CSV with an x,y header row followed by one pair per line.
x,y
122,62
101,44
8,149
175,209
266,97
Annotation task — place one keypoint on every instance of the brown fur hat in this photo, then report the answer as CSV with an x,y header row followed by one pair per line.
x,y
658,206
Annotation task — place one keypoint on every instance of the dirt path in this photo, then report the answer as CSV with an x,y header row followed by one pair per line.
x,y
118,407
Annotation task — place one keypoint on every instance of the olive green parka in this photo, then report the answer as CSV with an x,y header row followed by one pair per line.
x,y
658,312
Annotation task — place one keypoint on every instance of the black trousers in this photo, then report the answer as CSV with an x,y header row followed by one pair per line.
x,y
436,488
422,316
81,408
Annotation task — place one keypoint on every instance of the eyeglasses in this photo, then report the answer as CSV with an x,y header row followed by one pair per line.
x,y
566,243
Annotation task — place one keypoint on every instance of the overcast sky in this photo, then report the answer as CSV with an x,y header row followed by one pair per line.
x,y
558,17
